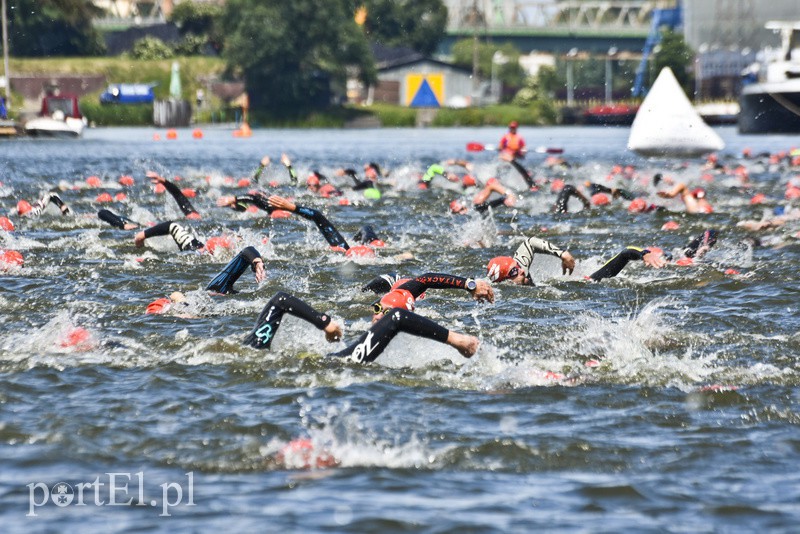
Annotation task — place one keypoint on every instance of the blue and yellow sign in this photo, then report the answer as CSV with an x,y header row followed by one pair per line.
x,y
424,90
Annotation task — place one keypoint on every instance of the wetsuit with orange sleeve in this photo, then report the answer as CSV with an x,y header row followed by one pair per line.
x,y
418,285
613,266
182,237
183,202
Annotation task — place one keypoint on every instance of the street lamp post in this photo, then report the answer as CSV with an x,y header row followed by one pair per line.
x,y
570,82
612,52
497,59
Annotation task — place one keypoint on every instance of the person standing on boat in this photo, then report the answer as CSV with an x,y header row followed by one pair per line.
x,y
512,145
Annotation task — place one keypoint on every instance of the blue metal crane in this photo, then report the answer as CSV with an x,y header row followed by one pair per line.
x,y
671,18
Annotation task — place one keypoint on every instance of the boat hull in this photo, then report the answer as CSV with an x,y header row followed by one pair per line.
x,y
769,111
45,127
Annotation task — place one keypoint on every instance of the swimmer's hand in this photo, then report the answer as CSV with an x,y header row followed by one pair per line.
x,y
285,160
155,177
226,201
265,161
333,332
654,260
567,263
281,203
483,291
258,266
138,239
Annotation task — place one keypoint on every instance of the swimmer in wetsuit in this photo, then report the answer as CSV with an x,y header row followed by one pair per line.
x,y
265,161
417,286
394,316
366,235
183,202
517,269
25,209
481,201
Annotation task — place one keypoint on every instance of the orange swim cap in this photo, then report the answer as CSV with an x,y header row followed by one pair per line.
x,y
6,224
158,306
280,214
600,199
397,298
361,251
23,207
93,181
637,205
468,181
501,268
11,258
104,197
126,180
223,241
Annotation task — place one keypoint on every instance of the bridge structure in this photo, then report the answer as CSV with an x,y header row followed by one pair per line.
x,y
590,26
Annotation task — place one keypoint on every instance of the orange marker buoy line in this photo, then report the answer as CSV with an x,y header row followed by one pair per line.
x,y
197,133
172,134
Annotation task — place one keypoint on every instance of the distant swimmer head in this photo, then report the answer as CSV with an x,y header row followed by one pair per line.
x,y
23,207
10,258
699,193
600,199
457,206
372,170
637,205
396,298
312,180
502,268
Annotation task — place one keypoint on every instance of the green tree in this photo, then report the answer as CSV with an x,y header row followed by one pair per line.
x,y
196,20
53,28
417,24
289,53
510,73
675,53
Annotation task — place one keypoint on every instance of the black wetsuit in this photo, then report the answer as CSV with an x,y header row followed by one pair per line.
x,y
526,175
359,184
183,237
183,202
259,200
565,194
613,266
416,286
617,192
115,220
365,349
223,282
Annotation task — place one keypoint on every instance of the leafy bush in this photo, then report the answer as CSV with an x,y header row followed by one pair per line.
x,y
151,48
191,45
116,114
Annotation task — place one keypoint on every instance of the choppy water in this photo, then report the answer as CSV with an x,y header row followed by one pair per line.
x,y
425,439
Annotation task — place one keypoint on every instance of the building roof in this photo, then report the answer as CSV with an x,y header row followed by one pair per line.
x,y
388,58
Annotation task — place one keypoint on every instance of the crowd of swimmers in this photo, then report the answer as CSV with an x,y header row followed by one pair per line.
x,y
394,310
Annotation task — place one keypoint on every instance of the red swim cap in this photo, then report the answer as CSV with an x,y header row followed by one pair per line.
x,y
397,298
637,205
457,207
23,207
501,268
758,198
93,181
158,306
280,214
126,180
468,181
104,197
361,251
223,241
11,258
699,192
243,182
188,192
75,337
557,185
6,224
600,199
670,225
